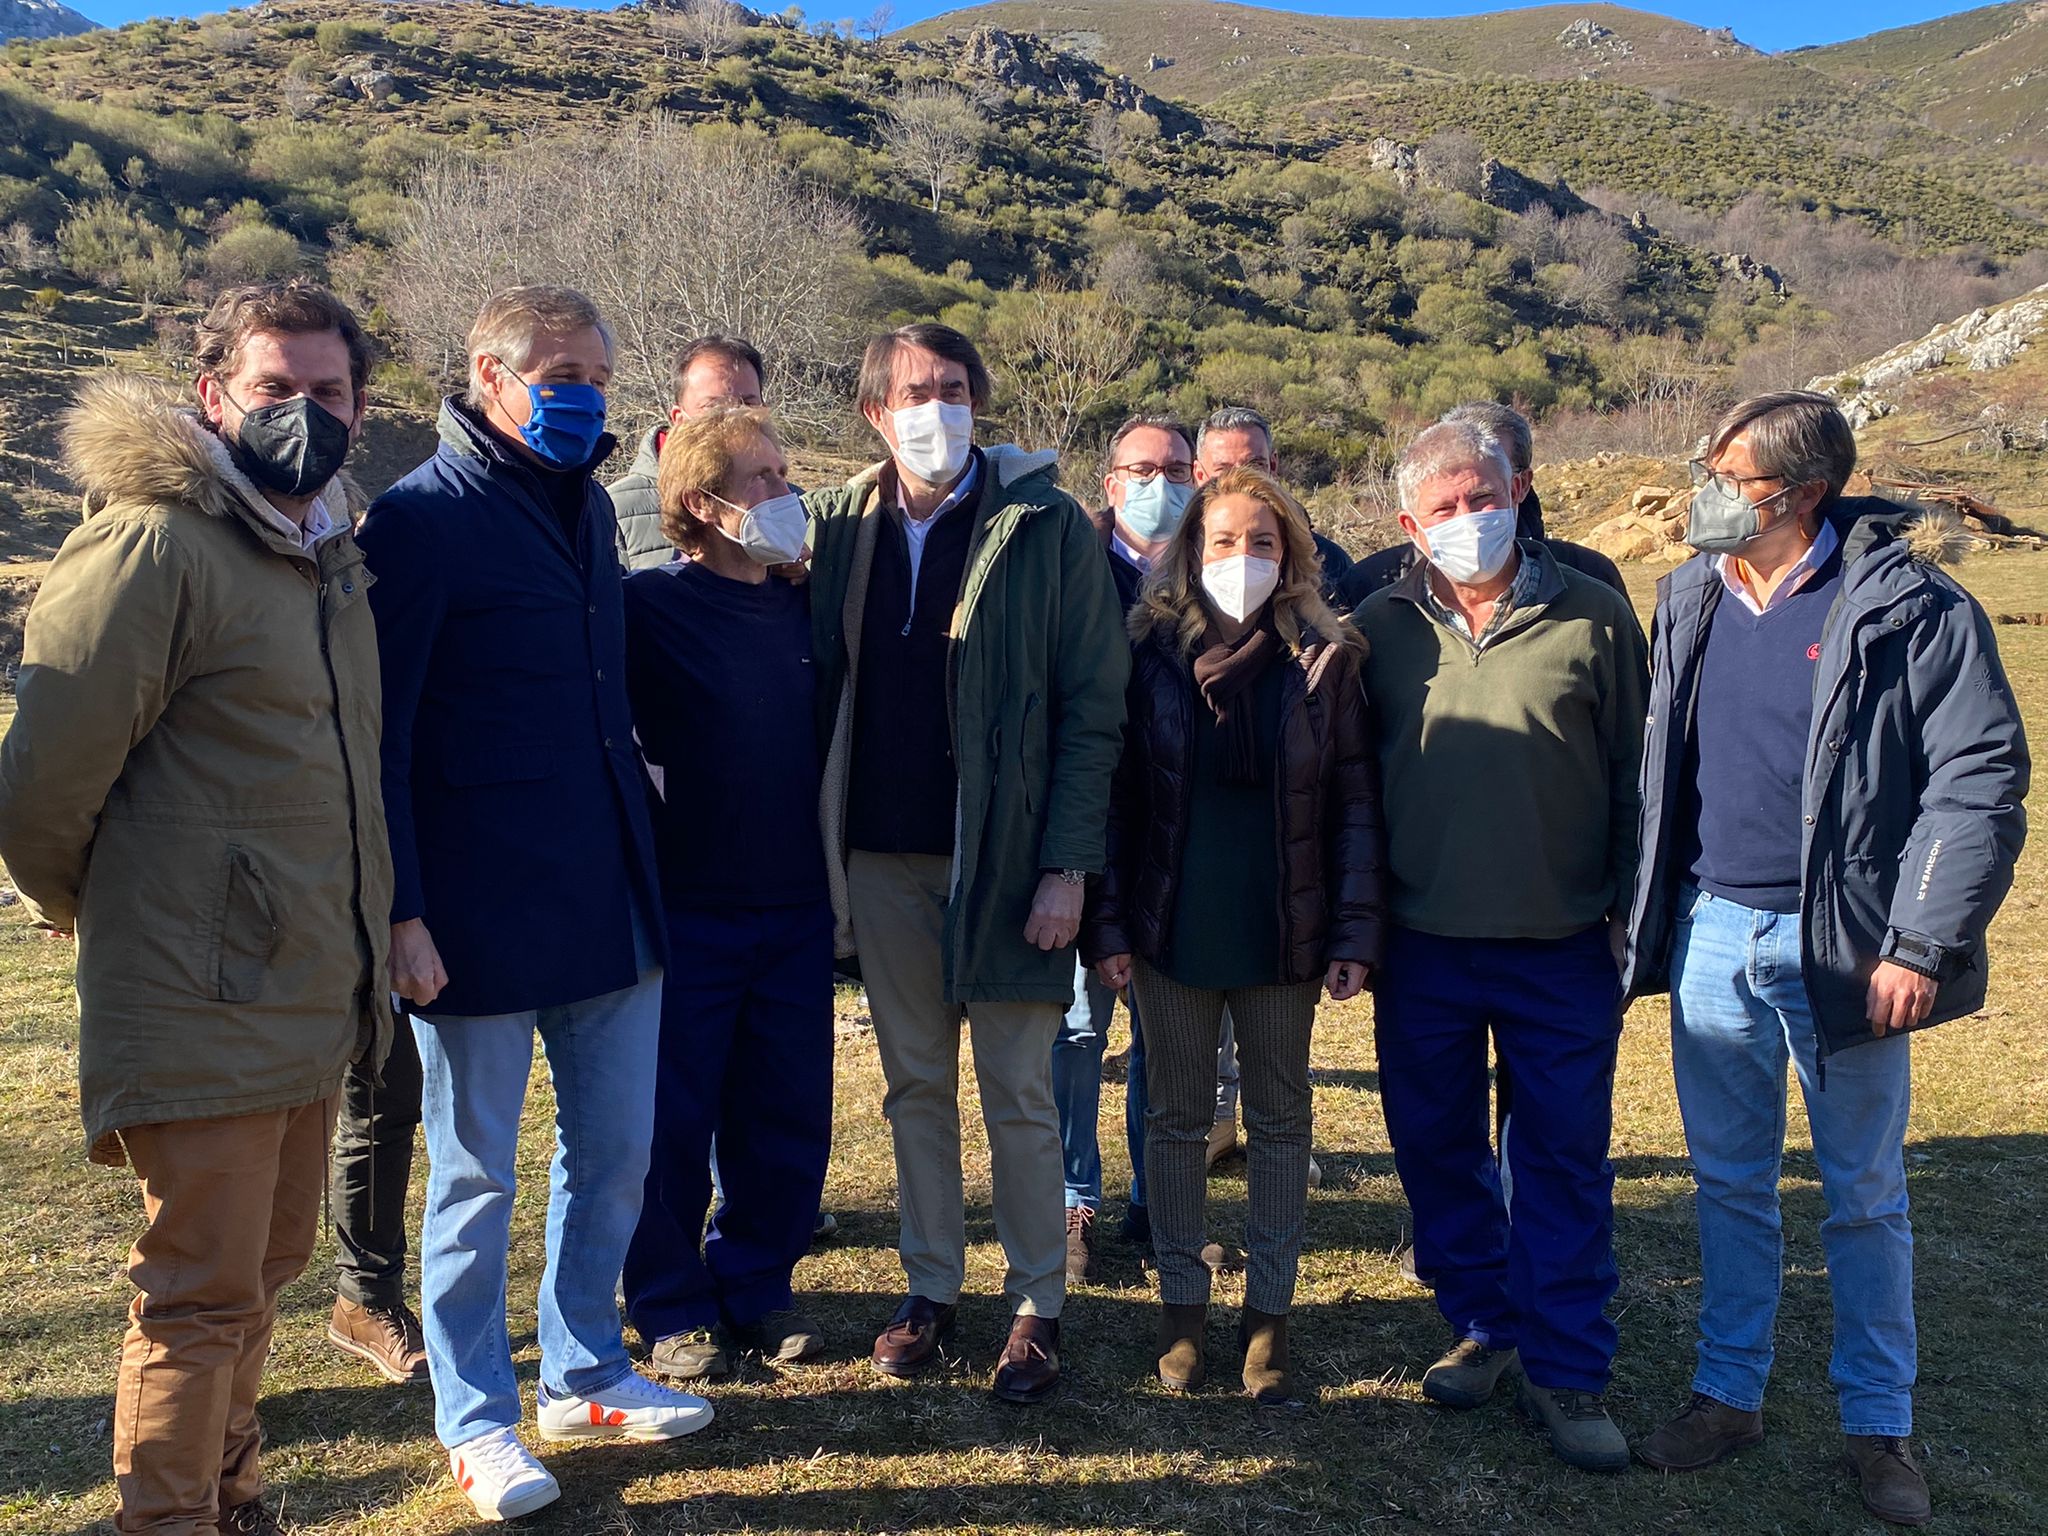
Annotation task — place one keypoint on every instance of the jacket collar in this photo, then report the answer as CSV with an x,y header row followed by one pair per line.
x,y
1549,584
131,439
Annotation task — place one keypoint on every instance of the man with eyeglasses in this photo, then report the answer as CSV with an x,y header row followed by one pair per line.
x,y
1237,434
1148,484
1832,787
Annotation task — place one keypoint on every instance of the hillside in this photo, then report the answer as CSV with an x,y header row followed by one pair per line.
x,y
1600,94
39,19
1981,75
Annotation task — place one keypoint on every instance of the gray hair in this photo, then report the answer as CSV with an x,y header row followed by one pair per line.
x,y
1444,449
1233,418
513,320
1794,436
1504,423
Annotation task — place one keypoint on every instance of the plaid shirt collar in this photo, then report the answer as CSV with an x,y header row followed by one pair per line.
x,y
1518,595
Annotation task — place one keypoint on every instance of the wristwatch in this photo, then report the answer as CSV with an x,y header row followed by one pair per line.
x,y
1072,876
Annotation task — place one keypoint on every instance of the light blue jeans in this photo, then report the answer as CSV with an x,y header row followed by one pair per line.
x,y
601,1057
1738,1009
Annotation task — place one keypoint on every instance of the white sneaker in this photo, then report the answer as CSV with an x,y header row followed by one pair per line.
x,y
500,1476
632,1408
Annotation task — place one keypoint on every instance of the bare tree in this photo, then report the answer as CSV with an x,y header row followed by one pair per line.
x,y
932,132
703,27
1596,264
879,21
1105,135
1453,159
672,233
1060,354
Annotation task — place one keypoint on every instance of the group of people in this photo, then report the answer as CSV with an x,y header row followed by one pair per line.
x,y
346,807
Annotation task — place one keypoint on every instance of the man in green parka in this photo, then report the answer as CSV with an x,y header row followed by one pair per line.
x,y
972,661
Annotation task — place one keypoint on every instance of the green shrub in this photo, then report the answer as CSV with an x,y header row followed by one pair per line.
x,y
411,34
340,37
83,165
250,253
43,302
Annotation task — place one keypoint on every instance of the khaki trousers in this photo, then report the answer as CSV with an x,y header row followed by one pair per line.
x,y
234,1209
898,906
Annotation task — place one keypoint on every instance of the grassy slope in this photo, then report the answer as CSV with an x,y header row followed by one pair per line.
x,y
836,1449
1978,75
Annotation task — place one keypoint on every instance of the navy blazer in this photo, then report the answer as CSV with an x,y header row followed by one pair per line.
x,y
516,801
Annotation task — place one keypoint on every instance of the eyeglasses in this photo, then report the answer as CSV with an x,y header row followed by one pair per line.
x,y
1704,475
1178,474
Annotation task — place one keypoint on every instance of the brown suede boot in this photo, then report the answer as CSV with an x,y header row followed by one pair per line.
x,y
1183,1359
1703,1434
1264,1338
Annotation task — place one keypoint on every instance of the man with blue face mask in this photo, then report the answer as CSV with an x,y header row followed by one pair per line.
x,y
516,796
1509,696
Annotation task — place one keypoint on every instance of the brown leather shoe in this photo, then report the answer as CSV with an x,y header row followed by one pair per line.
x,y
1029,1366
1080,1244
1894,1489
1706,1432
387,1337
1183,1332
912,1339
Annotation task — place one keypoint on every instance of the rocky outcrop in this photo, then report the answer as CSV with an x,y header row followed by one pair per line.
x,y
1651,527
1745,268
1587,36
1982,339
1025,63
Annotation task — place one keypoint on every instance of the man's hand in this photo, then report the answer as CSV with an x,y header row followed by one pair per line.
x,y
1898,1000
1055,914
1346,979
416,971
1114,972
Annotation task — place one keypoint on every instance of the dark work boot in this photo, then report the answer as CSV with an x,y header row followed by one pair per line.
x,y
1183,1330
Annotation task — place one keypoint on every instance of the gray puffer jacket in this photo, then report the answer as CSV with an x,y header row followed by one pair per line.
x,y
637,505
1915,770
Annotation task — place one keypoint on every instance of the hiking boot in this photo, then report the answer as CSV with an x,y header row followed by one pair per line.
x,y
1468,1373
1183,1335
1580,1432
387,1337
1222,1142
1893,1486
1263,1337
1080,1244
786,1337
1706,1432
250,1519
693,1356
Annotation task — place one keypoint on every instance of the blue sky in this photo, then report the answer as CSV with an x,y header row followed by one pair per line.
x,y
1772,24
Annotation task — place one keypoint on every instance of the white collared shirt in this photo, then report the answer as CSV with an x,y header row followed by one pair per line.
x,y
1142,562
915,532
1803,569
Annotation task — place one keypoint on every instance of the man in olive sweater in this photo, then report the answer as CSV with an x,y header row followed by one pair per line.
x,y
1509,692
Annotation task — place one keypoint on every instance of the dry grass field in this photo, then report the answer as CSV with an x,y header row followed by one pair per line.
x,y
837,1448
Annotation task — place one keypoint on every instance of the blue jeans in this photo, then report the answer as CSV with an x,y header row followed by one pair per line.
x,y
600,1055
1738,1009
746,1055
1077,1084
1554,1009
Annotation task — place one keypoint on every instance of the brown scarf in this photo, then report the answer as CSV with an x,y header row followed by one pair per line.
x,y
1227,674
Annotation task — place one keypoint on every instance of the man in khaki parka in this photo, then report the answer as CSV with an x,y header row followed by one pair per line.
x,y
191,787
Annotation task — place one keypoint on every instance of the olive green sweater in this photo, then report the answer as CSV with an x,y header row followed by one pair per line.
x,y
1509,772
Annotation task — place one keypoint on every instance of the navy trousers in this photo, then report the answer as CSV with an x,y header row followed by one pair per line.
x,y
746,1056
1540,1284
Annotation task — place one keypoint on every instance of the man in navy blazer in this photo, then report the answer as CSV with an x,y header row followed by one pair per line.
x,y
526,900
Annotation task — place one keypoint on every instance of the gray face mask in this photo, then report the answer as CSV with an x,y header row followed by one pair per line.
x,y
1720,522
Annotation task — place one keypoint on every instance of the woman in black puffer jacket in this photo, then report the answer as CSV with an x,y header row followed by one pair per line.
x,y
1245,870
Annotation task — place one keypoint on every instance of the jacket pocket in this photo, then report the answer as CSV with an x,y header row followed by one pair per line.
x,y
1035,755
245,936
468,767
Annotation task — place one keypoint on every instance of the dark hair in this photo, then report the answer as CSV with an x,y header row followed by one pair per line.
x,y
293,307
1139,423
878,367
1794,435
1235,418
728,349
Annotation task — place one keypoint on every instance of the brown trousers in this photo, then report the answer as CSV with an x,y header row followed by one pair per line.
x,y
234,1209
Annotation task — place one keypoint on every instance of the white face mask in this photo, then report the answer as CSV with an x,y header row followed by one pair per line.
x,y
1240,584
772,531
934,439
1472,548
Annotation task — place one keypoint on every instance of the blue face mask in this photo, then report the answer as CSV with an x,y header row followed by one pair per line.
x,y
565,424
1153,508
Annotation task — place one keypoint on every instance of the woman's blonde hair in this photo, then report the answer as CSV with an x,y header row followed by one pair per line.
x,y
698,455
1172,604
